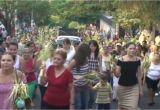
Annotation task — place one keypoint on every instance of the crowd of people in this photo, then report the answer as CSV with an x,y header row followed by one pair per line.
x,y
62,80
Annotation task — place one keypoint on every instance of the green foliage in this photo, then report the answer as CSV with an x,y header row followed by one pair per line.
x,y
44,38
145,64
91,75
55,19
76,25
65,13
39,10
83,12
143,13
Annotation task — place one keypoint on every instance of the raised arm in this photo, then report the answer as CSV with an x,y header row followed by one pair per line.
x,y
71,65
43,76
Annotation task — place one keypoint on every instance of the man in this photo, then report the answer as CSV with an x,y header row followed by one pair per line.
x,y
144,47
117,50
70,50
12,49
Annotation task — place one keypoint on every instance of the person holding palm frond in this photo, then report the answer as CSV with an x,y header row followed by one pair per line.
x,y
10,80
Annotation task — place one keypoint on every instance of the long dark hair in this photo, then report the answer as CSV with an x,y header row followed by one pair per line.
x,y
82,54
97,47
130,43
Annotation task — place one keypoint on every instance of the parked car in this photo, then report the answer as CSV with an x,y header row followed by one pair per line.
x,y
74,40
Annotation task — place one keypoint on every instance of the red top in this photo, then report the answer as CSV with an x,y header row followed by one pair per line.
x,y
30,76
58,93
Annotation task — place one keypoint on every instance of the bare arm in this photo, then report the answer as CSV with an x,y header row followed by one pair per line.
x,y
71,65
42,75
140,80
143,74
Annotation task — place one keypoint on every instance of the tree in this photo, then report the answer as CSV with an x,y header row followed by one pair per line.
x,y
25,10
142,13
8,6
83,12
39,10
76,25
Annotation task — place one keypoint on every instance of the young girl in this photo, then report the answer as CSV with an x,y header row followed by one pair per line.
x,y
104,92
80,68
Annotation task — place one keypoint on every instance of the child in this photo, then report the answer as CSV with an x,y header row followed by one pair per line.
x,y
104,92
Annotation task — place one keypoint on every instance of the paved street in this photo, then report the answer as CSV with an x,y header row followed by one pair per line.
x,y
143,102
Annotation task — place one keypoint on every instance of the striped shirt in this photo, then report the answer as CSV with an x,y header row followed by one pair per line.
x,y
79,74
103,93
93,64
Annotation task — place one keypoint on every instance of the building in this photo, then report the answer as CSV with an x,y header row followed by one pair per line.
x,y
107,24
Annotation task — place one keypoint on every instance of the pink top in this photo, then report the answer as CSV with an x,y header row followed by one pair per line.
x,y
5,90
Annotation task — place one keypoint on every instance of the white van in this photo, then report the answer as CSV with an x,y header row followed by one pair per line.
x,y
73,39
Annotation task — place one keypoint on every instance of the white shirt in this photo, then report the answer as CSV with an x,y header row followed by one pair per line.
x,y
154,72
17,62
70,55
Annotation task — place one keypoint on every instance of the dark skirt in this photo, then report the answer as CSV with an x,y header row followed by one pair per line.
x,y
152,84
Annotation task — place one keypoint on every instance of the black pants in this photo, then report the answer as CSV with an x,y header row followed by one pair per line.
x,y
42,91
47,106
103,106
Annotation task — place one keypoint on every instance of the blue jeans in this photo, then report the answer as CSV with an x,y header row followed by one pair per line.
x,y
92,99
81,97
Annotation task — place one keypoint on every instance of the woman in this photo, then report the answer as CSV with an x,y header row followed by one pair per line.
x,y
7,78
59,93
152,77
79,66
28,67
129,88
94,55
93,62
